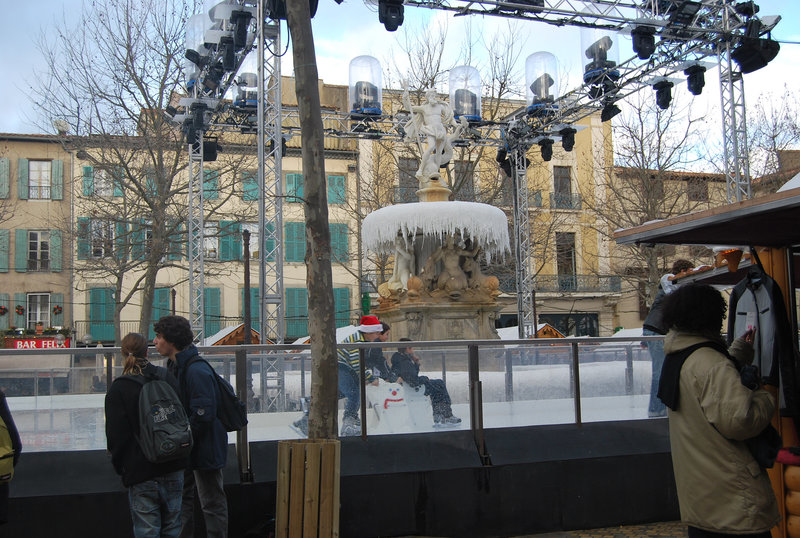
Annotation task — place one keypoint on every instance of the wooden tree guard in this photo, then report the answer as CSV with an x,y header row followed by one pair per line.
x,y
308,489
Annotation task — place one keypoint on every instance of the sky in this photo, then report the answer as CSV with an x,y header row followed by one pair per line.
x,y
344,31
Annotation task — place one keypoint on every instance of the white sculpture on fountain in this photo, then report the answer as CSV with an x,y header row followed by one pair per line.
x,y
433,120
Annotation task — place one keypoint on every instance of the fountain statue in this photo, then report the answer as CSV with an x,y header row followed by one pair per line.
x,y
437,290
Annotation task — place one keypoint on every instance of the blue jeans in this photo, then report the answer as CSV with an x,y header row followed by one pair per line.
x,y
656,349
156,506
349,387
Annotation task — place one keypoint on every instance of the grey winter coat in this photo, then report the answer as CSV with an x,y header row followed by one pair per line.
x,y
720,486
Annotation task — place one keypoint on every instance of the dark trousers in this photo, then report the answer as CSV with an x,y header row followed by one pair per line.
x,y
213,502
350,388
440,398
694,532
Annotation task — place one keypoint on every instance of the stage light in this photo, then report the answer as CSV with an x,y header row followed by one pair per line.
x,y
609,111
546,144
752,54
390,13
685,13
663,93
502,160
567,138
644,41
695,78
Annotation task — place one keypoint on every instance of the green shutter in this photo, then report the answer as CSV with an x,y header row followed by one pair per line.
x,y
20,299
120,239
5,246
269,242
211,312
336,189
5,302
176,240
117,174
341,301
296,312
22,179
55,251
57,299
21,251
84,243
88,181
340,248
254,310
160,307
210,184
294,187
230,245
4,183
138,235
249,186
57,180
101,314
295,241
150,184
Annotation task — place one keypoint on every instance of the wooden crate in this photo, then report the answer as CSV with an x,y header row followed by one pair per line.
x,y
308,489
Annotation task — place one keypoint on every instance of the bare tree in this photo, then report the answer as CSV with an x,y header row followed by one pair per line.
x,y
653,149
773,127
110,78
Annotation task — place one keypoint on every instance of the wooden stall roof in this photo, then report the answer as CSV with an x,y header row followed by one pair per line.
x,y
767,221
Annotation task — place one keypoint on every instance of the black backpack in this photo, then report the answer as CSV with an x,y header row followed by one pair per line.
x,y
164,430
231,411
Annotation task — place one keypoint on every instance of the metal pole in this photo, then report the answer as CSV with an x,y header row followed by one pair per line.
x,y
476,406
577,382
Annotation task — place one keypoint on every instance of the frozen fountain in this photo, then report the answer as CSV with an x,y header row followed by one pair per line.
x,y
437,290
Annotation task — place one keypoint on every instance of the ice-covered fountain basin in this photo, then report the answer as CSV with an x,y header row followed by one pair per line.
x,y
484,224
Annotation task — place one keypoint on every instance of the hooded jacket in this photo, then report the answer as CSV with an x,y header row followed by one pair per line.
x,y
200,395
721,488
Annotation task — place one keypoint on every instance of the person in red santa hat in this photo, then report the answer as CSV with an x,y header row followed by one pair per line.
x,y
369,330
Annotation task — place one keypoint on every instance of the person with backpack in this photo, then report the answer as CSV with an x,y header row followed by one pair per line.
x,y
713,413
200,395
154,488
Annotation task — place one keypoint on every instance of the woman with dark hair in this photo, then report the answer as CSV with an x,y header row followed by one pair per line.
x,y
155,490
722,491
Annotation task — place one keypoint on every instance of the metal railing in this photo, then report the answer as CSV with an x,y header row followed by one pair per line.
x,y
565,201
578,283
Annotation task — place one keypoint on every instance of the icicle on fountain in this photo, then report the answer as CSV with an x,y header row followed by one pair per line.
x,y
437,290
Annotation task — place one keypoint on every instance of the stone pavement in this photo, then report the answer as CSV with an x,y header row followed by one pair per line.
x,y
674,529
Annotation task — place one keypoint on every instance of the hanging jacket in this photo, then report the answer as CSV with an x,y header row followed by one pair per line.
x,y
758,300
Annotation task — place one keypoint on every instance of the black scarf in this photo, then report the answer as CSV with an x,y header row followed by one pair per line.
x,y
671,371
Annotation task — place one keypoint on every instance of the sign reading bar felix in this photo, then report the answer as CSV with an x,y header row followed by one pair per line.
x,y
39,343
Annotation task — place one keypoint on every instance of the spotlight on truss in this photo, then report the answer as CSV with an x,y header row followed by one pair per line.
x,y
695,78
567,138
644,41
609,111
546,144
663,90
390,13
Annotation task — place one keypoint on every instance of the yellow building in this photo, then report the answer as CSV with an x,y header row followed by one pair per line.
x,y
35,261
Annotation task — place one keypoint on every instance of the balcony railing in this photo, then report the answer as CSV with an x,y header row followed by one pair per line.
x,y
578,283
562,283
565,201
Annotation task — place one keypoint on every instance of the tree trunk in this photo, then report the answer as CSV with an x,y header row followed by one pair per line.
x,y
319,278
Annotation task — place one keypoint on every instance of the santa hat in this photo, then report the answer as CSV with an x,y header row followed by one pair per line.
x,y
370,324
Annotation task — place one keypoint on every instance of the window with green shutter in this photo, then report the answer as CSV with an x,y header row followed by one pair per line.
x,y
22,179
21,250
294,188
57,305
295,241
340,248
230,240
55,250
249,186
336,190
4,181
57,180
101,314
254,309
117,176
341,301
296,312
5,302
160,308
211,311
211,184
5,247
88,180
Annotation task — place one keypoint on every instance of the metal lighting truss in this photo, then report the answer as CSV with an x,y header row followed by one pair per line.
x,y
194,229
270,212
